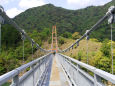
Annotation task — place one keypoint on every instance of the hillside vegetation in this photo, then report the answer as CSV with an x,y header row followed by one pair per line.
x,y
11,55
99,53
66,20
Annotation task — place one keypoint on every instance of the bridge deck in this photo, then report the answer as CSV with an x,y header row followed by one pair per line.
x,y
58,77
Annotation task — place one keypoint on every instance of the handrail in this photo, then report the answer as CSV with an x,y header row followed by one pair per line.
x,y
4,78
101,73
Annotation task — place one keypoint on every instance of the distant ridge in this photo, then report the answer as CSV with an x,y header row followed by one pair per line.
x,y
66,20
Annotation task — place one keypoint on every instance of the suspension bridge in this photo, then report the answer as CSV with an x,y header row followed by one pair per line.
x,y
54,68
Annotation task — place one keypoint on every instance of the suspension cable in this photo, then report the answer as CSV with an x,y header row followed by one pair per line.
x,y
1,22
23,51
87,39
87,52
72,51
0,38
23,39
32,50
112,46
111,20
32,44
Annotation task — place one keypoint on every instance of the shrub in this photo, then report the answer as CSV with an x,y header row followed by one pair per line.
x,y
105,49
67,35
61,41
75,35
80,55
94,40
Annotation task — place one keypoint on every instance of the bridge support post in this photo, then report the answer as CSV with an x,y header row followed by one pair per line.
x,y
39,70
78,67
15,81
97,80
32,68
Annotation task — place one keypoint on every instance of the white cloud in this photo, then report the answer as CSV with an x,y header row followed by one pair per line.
x,y
85,3
13,12
25,4
3,2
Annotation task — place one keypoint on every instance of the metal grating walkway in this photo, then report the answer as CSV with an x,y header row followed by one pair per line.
x,y
58,77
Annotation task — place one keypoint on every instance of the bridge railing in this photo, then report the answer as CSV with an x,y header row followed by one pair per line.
x,y
79,77
31,77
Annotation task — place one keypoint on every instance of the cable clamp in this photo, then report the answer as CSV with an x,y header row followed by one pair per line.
x,y
23,36
87,34
111,17
77,44
33,42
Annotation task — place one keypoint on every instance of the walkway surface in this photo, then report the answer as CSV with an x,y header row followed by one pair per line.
x,y
58,77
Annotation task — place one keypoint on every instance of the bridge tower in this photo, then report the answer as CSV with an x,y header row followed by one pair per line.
x,y
54,44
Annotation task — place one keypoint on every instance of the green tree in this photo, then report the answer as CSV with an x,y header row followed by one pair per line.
x,y
80,55
10,36
61,40
105,48
67,35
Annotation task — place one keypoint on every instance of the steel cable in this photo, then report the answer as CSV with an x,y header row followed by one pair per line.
x,y
0,39
87,50
112,47
23,52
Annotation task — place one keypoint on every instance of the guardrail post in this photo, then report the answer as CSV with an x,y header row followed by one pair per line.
x,y
39,68
78,74
32,68
97,80
45,64
15,81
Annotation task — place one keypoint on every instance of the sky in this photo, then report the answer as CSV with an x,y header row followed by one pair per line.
x,y
15,7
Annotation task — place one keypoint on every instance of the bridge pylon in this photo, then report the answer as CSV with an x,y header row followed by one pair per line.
x,y
54,45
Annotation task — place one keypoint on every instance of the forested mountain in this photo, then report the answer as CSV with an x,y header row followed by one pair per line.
x,y
66,20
